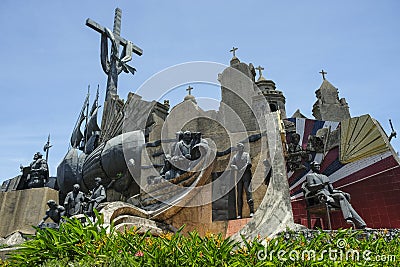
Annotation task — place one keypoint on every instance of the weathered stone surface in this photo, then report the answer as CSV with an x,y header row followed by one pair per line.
x,y
141,225
21,209
275,211
328,107
13,239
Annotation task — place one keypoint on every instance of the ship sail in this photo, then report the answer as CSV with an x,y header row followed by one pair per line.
x,y
92,125
77,135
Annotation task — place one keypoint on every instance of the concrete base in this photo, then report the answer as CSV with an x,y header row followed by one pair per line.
x,y
21,209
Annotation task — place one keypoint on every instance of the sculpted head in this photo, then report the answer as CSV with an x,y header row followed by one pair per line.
x,y
76,188
240,147
315,166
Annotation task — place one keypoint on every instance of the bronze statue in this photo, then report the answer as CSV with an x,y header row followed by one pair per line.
x,y
74,201
98,195
241,165
38,173
55,212
295,153
320,186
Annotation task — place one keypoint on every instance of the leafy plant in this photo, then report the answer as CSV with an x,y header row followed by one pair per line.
x,y
77,244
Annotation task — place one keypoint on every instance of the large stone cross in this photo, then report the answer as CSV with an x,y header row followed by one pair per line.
x,y
114,64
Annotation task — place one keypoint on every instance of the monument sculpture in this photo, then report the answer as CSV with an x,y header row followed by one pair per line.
x,y
295,153
241,168
114,64
319,185
38,171
74,202
55,213
98,195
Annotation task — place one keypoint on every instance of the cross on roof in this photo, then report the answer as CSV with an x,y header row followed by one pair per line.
x,y
189,89
260,69
323,74
233,50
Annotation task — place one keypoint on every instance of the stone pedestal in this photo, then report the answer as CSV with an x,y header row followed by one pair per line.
x,y
21,209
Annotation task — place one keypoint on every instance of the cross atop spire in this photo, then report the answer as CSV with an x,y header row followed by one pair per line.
x,y
323,74
260,69
189,89
233,50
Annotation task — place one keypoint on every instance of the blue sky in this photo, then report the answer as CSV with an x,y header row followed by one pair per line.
x,y
48,57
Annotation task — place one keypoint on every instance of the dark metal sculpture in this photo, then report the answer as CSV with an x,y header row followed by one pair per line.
x,y
98,195
38,172
241,168
295,153
320,186
74,202
114,64
393,133
55,212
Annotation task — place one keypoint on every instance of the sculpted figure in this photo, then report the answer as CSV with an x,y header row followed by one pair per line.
x,y
319,185
98,195
168,171
181,155
38,173
74,201
55,212
185,145
241,164
295,153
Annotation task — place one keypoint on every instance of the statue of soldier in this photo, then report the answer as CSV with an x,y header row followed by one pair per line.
x,y
55,212
241,165
74,201
98,195
38,173
319,185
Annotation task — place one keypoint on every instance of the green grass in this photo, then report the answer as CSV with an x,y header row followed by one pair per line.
x,y
77,245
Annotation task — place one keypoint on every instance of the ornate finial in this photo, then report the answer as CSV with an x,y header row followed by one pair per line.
x,y
166,103
189,89
323,74
260,69
233,50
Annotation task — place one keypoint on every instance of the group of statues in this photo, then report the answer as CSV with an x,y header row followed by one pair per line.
x,y
76,202
184,154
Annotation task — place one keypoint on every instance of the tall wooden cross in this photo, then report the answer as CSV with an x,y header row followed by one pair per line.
x,y
323,74
189,89
233,50
260,69
114,64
